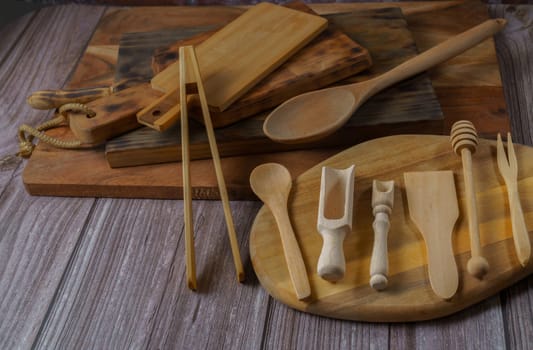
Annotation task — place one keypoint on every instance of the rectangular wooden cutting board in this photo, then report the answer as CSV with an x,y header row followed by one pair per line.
x,y
330,57
467,87
410,107
246,50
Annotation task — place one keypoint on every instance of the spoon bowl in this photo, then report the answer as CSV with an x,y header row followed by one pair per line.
x,y
272,183
305,116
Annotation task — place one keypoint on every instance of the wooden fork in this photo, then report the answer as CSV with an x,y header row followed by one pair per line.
x,y
509,172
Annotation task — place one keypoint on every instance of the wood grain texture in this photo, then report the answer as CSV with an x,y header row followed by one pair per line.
x,y
114,114
90,175
117,278
458,71
406,108
11,33
481,104
37,236
134,279
330,57
515,53
432,202
468,329
97,66
22,62
485,325
286,329
313,115
409,296
232,59
137,49
33,263
233,315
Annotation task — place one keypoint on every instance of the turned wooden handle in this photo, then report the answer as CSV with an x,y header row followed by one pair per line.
x,y
331,263
464,141
440,53
51,99
520,233
379,263
382,203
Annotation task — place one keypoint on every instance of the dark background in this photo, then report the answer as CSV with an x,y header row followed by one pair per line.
x,y
11,9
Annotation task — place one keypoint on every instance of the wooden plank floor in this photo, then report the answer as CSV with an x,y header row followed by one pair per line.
x,y
80,273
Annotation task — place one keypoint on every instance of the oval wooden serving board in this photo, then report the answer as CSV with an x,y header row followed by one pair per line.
x,y
409,296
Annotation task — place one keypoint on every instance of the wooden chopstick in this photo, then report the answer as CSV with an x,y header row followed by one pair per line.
x,y
188,57
187,197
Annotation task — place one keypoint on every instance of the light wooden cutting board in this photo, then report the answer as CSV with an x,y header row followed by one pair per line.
x,y
330,57
246,50
409,296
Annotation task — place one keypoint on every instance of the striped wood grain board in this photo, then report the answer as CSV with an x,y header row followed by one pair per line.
x,y
408,296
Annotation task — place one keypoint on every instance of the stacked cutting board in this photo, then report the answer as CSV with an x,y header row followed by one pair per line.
x,y
332,55
87,173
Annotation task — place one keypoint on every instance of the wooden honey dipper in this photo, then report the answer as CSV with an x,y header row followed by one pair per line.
x,y
464,142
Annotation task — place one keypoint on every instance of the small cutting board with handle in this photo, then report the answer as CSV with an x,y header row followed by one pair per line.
x,y
246,50
330,57
408,296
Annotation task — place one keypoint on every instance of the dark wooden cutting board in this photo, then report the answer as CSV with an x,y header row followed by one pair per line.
x,y
410,107
136,49
330,57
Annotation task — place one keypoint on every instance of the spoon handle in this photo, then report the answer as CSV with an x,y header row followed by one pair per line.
x,y
440,53
293,255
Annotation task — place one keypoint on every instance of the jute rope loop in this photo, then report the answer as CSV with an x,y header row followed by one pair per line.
x,y
28,133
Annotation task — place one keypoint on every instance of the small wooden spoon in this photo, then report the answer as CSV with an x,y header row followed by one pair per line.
x,y
272,183
314,115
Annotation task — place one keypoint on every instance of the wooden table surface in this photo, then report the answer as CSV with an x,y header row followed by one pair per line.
x,y
80,273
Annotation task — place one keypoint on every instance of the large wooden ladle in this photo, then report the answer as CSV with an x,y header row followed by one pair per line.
x,y
314,115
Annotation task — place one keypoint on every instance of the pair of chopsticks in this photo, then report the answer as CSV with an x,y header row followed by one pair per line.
x,y
189,72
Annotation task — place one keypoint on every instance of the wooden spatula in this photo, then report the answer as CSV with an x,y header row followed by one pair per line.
x,y
433,208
